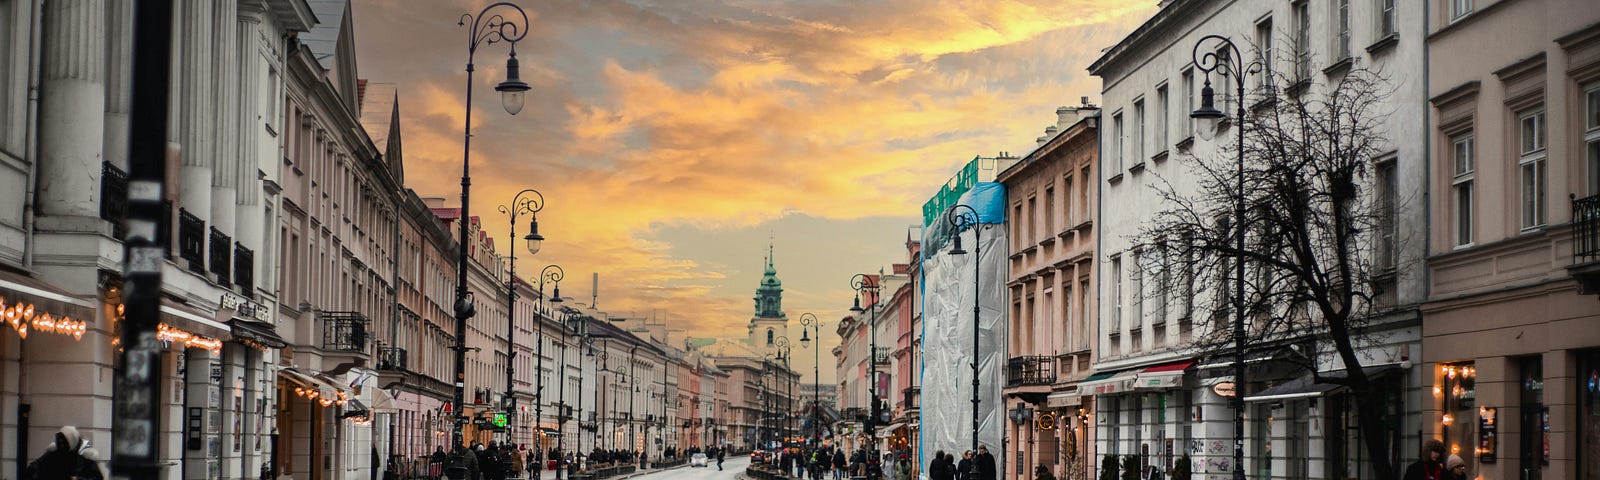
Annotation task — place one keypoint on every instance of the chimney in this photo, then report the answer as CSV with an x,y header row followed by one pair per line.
x,y
433,202
1065,117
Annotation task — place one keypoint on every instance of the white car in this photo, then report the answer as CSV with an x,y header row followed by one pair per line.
x,y
699,460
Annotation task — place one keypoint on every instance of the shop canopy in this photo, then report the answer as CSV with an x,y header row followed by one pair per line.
x,y
1107,383
1306,386
1162,377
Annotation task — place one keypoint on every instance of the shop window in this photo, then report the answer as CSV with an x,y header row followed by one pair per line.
x,y
1535,431
1589,415
1459,415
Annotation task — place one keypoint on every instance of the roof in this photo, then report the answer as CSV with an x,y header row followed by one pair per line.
x,y
377,111
323,39
1168,12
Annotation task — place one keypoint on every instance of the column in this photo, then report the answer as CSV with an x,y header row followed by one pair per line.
x,y
225,153
72,111
251,229
119,75
232,411
258,409
201,441
197,125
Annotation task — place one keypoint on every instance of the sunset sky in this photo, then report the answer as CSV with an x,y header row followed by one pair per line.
x,y
672,139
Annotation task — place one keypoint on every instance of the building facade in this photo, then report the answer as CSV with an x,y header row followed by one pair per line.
x,y
1509,345
1154,395
1051,193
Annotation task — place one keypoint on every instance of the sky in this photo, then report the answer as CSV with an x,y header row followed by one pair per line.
x,y
672,140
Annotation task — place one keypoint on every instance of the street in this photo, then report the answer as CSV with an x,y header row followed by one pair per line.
x,y
731,468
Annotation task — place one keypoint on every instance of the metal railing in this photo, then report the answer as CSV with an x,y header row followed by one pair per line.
x,y
244,270
913,397
1030,370
344,331
113,197
392,358
221,264
1585,229
881,355
192,241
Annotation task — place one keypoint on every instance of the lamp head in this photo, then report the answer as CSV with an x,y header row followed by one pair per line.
x,y
805,337
533,238
1208,104
857,306
957,250
555,297
513,89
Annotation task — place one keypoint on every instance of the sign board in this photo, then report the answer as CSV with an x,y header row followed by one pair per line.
x,y
1486,434
245,308
1224,389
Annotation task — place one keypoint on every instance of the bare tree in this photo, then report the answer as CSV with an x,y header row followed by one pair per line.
x,y
1313,230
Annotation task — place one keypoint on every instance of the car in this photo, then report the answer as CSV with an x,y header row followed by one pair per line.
x,y
758,456
699,460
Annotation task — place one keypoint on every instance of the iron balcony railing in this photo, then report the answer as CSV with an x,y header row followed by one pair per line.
x,y
913,397
344,331
392,358
113,197
1585,229
881,355
244,270
192,241
221,263
1030,370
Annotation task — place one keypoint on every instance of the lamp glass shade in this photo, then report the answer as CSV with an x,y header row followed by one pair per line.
x,y
555,297
956,249
857,306
805,337
513,89
1208,104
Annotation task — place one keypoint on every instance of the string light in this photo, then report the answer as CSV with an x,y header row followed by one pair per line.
x,y
22,318
169,335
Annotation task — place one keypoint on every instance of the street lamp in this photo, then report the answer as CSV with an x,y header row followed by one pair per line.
x,y
809,323
530,202
786,353
868,286
553,274
962,221
486,28
1228,60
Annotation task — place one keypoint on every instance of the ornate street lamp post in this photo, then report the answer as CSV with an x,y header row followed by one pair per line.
x,y
553,274
486,28
809,323
863,287
785,353
1228,60
962,221
528,202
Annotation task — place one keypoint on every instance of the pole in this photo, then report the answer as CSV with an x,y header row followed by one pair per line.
x,y
1238,285
977,331
463,307
511,321
553,273
136,415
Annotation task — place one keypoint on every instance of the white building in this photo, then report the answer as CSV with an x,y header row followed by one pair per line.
x,y
1154,395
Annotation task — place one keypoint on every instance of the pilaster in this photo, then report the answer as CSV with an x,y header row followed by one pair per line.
x,y
119,80
225,156
71,108
198,125
201,442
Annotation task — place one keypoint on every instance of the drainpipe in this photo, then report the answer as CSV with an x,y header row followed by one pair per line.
x,y
30,150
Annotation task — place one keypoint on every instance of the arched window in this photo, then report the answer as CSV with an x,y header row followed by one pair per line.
x,y
769,335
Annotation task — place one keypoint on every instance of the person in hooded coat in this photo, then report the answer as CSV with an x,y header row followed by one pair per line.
x,y
67,457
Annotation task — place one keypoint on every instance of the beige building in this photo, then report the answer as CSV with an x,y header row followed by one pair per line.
x,y
1510,335
1051,195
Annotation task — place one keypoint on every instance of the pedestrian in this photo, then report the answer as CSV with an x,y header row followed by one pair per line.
x,y
940,468
721,454
967,469
838,464
518,463
1430,466
68,457
986,467
1455,468
902,468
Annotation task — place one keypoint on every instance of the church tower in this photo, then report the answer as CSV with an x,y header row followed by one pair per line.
x,y
769,321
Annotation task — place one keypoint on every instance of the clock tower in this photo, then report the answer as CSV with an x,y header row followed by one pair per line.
x,y
769,321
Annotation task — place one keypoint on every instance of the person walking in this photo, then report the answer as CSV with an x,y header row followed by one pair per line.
x,y
68,457
839,464
940,468
967,469
722,453
902,468
985,463
1430,466
1455,468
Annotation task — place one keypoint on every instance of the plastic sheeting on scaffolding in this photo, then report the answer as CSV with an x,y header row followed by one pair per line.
x,y
948,293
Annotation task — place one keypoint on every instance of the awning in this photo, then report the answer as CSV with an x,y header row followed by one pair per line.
x,y
1306,386
1110,383
382,401
19,289
1064,399
885,432
1162,377
355,408
323,388
192,320
261,333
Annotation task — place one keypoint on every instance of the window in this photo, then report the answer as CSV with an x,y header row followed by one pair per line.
x,y
1161,118
1264,46
1116,144
1222,90
1302,41
1342,28
1138,131
1067,211
1188,103
1386,23
1136,291
1050,211
1459,9
1591,137
1384,202
1033,219
1116,294
1461,186
1531,165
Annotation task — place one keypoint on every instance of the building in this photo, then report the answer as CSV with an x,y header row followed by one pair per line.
x,y
1153,393
1051,193
1509,345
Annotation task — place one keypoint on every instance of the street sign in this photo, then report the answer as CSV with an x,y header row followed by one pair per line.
x,y
500,420
1224,389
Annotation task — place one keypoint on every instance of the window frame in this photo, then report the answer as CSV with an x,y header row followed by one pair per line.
x,y
1532,163
1341,29
1591,136
1187,81
1459,9
1461,187
1385,199
1116,294
1117,137
1301,11
1162,112
1387,25
1265,47
1139,128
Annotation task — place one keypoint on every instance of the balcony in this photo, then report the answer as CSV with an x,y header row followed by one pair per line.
x,y
1585,266
344,340
391,366
912,398
1032,370
244,270
881,355
192,241
114,198
221,264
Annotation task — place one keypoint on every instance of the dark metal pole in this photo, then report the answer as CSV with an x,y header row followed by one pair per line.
x,y
868,286
135,413
1238,285
958,222
552,273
